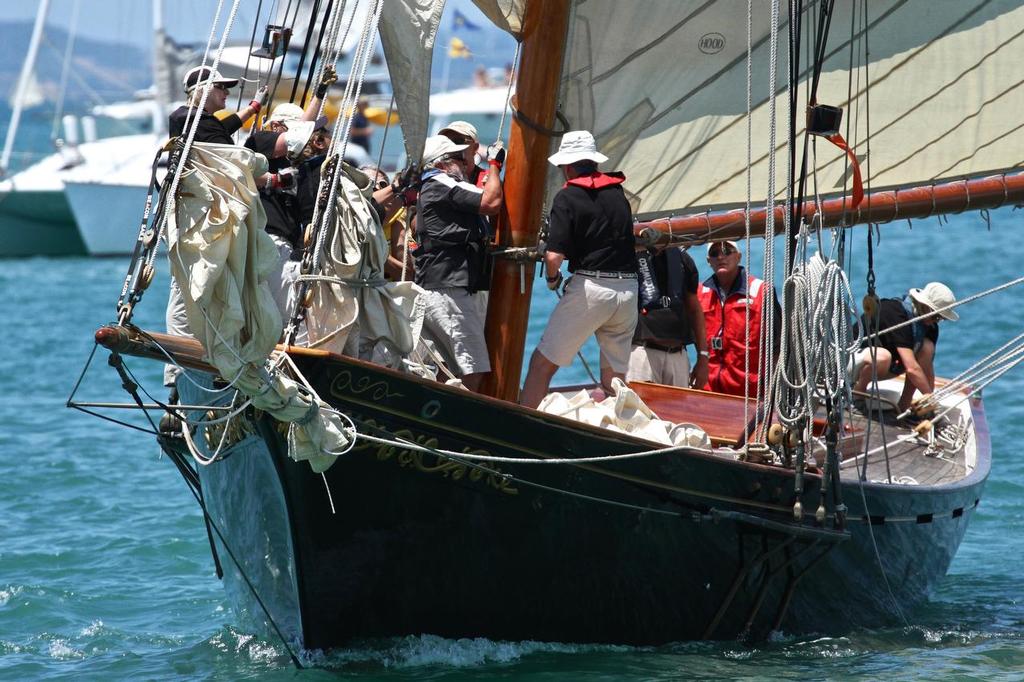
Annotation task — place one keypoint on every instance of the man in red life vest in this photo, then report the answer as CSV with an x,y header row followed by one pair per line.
x,y
725,298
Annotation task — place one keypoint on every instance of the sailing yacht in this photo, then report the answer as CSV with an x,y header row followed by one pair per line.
x,y
350,497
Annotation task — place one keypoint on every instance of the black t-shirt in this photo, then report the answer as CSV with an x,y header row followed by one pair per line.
x,y
670,325
893,311
593,229
307,187
280,207
452,249
210,129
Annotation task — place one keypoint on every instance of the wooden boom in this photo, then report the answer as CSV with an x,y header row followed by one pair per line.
x,y
877,207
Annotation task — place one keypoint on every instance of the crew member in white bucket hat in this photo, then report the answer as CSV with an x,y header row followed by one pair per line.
x,y
591,225
909,349
452,255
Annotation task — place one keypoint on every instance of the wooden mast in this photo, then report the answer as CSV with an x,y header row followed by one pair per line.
x,y
508,311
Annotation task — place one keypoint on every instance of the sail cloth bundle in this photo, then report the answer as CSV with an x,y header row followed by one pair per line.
x,y
624,412
220,256
354,308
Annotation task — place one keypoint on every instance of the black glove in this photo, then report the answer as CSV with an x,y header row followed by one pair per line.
x,y
496,154
407,185
284,179
329,78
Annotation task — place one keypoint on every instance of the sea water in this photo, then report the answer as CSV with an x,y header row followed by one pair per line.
x,y
105,569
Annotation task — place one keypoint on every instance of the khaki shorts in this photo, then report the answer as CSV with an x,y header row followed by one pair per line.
x,y
605,308
454,321
659,367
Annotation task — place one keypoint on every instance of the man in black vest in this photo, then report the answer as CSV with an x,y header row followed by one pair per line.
x,y
670,320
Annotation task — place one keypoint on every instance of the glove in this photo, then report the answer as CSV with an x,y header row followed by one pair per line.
x,y
259,99
329,78
554,282
496,154
407,185
283,180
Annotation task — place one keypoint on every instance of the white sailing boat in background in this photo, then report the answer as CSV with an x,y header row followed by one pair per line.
x,y
36,217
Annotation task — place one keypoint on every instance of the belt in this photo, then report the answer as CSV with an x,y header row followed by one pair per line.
x,y
601,274
658,346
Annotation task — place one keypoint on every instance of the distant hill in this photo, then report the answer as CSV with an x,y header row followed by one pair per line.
x,y
100,71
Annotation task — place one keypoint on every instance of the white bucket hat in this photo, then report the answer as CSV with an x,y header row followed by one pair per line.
x,y
286,113
936,295
462,128
577,145
437,146
203,75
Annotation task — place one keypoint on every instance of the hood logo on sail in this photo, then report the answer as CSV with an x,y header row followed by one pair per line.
x,y
711,43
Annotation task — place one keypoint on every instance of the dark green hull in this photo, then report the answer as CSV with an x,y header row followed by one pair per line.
x,y
643,551
38,224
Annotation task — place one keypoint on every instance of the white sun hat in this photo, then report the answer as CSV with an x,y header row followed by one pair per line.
x,y
203,75
936,295
577,145
286,113
437,146
463,128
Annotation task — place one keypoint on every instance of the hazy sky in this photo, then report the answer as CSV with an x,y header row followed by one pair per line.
x,y
187,21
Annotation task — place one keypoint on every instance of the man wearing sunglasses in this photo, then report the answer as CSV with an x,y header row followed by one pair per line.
x,y
211,128
730,299
452,254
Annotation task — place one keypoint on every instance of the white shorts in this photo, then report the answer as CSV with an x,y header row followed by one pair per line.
x,y
453,320
603,307
659,367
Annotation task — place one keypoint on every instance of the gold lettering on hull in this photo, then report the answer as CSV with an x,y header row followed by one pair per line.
x,y
375,389
433,464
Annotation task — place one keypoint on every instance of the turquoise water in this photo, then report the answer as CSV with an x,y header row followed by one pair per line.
x,y
105,571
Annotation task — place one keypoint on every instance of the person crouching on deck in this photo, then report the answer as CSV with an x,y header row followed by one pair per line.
x,y
909,349
591,225
726,297
452,252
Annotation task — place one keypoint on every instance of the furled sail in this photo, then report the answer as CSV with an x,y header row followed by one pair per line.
x,y
221,257
663,84
407,32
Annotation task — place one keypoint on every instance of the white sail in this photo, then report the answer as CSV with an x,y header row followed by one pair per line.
x,y
407,32
662,84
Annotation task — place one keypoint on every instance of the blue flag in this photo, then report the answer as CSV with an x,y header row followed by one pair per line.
x,y
459,20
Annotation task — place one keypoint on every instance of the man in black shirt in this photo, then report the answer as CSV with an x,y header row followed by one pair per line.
x,y
670,319
909,349
211,128
591,225
452,252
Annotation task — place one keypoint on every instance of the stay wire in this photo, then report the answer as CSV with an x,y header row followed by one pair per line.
x,y
305,52
319,47
241,572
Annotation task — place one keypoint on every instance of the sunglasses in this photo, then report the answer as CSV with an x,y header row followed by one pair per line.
x,y
381,184
715,253
221,86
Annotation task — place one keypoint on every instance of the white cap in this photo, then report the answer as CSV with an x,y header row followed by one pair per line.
x,y
936,295
711,245
577,145
204,75
437,146
462,128
286,112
